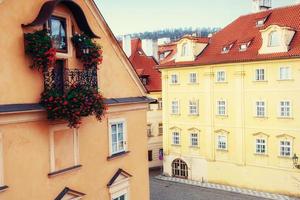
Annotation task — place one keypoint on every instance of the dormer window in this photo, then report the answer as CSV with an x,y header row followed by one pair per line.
x,y
227,48
145,80
161,56
244,46
58,32
274,39
261,22
184,50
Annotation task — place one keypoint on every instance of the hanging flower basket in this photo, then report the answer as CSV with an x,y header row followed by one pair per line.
x,y
89,53
78,102
38,46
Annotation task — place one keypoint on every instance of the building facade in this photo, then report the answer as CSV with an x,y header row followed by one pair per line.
x,y
143,56
46,159
230,109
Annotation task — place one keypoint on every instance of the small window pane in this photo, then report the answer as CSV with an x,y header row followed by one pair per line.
x,y
58,33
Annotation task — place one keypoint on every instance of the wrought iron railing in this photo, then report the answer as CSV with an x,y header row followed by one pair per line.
x,y
63,79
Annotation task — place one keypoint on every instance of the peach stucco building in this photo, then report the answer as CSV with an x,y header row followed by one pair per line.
x,y
43,159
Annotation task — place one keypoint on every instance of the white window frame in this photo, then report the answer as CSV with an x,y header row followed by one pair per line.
x,y
274,41
283,154
260,74
62,127
120,188
116,196
287,73
220,106
193,107
174,79
194,136
285,111
259,105
125,146
185,49
175,137
193,80
222,145
259,144
173,108
221,76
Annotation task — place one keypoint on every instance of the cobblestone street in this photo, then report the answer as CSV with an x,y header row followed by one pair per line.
x,y
164,190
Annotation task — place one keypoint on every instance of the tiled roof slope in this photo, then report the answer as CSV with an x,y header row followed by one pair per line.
x,y
171,48
243,29
145,65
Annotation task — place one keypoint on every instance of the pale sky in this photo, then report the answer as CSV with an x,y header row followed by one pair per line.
x,y
130,16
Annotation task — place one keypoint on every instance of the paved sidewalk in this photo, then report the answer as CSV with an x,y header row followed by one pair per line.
x,y
226,188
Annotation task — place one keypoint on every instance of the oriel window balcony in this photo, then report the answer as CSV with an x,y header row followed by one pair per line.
x,y
63,79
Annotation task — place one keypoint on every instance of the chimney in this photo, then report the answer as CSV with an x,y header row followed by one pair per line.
x,y
261,5
126,45
150,48
165,40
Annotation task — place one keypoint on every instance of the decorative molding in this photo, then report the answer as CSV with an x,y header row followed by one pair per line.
x,y
221,131
260,134
285,136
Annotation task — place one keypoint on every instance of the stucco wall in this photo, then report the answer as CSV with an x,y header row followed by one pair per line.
x,y
26,149
241,91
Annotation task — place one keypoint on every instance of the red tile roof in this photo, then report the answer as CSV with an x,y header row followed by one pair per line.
x,y
145,66
171,48
243,29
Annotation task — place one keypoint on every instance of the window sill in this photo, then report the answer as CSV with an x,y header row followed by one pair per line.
x,y
221,82
194,147
63,171
285,157
222,150
160,134
194,115
3,188
176,145
175,114
260,117
261,154
285,118
222,116
174,84
285,80
117,155
262,81
193,83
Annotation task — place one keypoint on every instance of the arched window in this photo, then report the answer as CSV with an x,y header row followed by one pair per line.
x,y
179,169
184,50
274,39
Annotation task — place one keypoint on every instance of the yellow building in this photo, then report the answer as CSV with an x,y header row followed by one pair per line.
x,y
230,104
46,159
142,55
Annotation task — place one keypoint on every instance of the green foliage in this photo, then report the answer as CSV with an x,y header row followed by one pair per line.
x,y
38,46
87,50
78,102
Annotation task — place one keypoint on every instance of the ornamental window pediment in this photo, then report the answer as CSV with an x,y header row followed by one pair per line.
x,y
276,39
188,48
